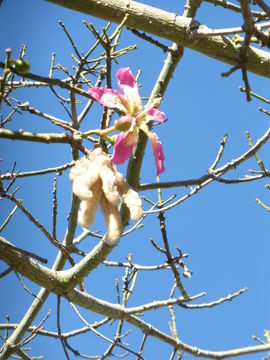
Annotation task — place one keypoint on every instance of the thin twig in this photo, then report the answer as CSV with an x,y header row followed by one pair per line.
x,y
263,5
59,327
230,297
148,38
207,179
55,205
6,272
50,81
24,286
142,345
224,32
166,248
259,161
70,39
57,169
54,241
220,152
255,95
157,304
101,335
56,121
5,223
228,5
138,267
54,334
34,332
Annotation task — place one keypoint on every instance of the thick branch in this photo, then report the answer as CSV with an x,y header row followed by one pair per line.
x,y
57,281
43,294
172,27
117,312
47,138
159,89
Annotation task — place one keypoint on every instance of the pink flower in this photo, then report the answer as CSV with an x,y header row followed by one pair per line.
x,y
135,118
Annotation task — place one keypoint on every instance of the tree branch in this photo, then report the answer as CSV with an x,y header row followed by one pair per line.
x,y
59,282
53,334
171,27
115,311
43,81
47,138
214,174
57,169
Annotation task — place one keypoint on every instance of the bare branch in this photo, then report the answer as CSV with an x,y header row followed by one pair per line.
x,y
55,335
59,327
49,81
86,301
47,138
54,241
101,335
236,8
214,303
205,180
162,303
263,5
57,169
170,26
202,31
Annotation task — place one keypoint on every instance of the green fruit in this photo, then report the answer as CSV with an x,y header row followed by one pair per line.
x,y
22,66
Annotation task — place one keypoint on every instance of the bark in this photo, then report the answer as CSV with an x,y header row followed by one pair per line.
x,y
171,27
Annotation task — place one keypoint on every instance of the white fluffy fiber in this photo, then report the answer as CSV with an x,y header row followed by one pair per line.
x,y
95,181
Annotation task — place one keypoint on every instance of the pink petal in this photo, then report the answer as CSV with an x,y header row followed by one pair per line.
x,y
108,97
128,85
124,77
123,146
158,152
157,115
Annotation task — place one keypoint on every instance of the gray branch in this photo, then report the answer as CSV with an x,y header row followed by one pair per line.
x,y
171,27
63,282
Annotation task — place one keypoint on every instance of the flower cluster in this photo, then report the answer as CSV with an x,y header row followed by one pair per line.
x,y
95,181
135,118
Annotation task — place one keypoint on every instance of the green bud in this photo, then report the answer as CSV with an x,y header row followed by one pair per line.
x,y
22,66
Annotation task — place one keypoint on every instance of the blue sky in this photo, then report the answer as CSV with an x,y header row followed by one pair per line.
x,y
223,229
